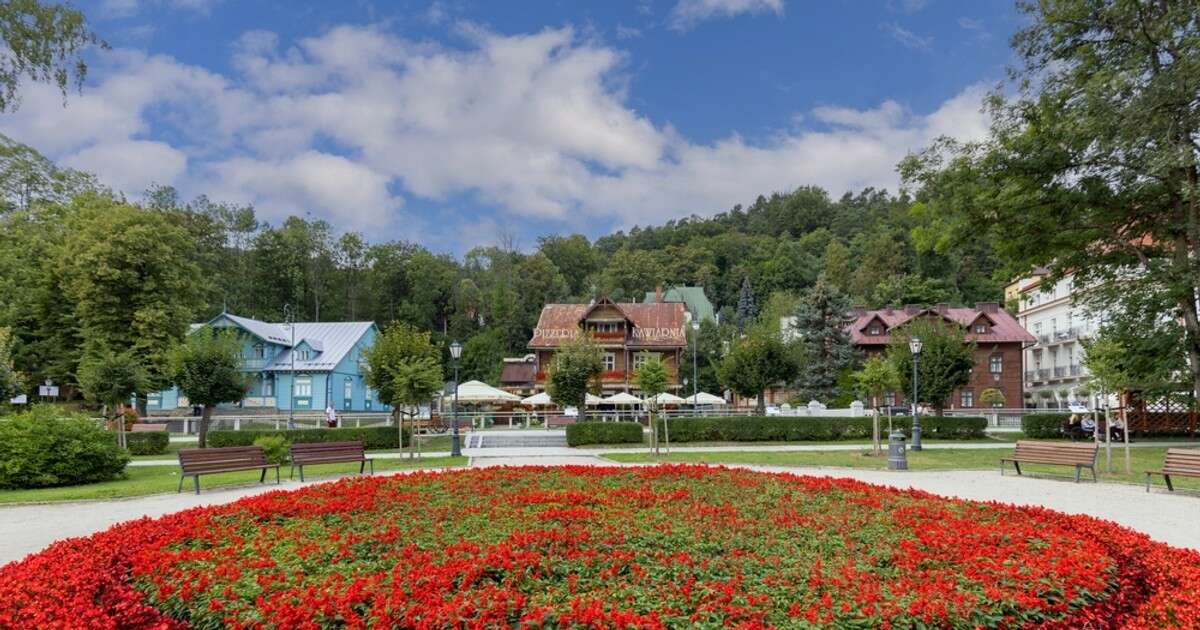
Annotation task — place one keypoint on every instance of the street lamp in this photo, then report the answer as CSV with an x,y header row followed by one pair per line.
x,y
695,377
914,345
455,353
287,320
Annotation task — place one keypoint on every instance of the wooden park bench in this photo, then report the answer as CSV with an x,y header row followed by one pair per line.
x,y
1077,454
138,427
328,453
194,462
560,421
1180,462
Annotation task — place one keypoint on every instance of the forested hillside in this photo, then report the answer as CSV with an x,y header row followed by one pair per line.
x,y
66,242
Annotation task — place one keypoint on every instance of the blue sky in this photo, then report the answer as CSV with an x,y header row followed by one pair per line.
x,y
451,122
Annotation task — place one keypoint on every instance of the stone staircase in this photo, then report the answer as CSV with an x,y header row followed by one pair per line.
x,y
516,440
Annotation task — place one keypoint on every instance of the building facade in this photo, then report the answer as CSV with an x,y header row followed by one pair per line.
x,y
325,358
1055,375
627,333
999,347
693,298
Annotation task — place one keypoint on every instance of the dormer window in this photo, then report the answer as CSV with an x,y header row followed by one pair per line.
x,y
260,352
981,328
302,355
875,330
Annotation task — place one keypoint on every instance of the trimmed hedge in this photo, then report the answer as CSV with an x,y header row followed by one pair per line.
x,y
604,433
800,429
373,438
1041,426
42,448
147,442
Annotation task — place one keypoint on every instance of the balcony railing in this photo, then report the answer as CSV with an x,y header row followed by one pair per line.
x,y
618,335
1031,375
1060,372
1043,374
613,375
254,364
1066,335
1076,370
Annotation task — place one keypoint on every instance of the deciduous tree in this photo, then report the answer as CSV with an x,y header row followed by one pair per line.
x,y
945,362
576,363
755,363
207,368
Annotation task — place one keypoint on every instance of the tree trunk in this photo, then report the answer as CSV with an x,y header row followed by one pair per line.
x,y
202,434
141,401
760,406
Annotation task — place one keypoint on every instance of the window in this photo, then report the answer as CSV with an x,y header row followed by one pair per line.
x,y
259,351
268,387
302,355
607,327
348,388
1037,328
996,364
889,399
966,398
640,359
875,330
981,329
304,385
610,362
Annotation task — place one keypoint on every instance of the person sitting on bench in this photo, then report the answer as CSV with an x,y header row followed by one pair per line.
x,y
1116,430
1073,429
1088,427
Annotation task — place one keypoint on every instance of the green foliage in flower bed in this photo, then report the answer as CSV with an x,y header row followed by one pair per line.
x,y
373,438
800,429
275,447
1041,426
147,442
43,448
604,433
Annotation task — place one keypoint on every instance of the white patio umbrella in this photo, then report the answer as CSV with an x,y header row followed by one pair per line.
x,y
622,398
479,392
668,399
592,400
540,399
704,398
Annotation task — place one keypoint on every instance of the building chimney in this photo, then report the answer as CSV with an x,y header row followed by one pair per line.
x,y
912,309
858,310
988,307
941,307
658,294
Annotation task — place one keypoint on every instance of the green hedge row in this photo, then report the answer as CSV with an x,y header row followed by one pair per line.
x,y
44,447
604,433
373,438
799,429
147,442
1041,426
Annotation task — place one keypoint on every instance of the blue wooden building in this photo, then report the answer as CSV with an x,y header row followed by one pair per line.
x,y
326,359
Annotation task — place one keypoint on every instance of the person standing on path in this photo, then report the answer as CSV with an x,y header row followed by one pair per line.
x,y
331,419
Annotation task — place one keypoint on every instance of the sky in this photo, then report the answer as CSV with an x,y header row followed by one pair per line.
x,y
454,123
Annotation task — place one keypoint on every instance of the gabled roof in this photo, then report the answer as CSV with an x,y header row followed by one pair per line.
x,y
1005,328
695,299
332,341
659,324
274,333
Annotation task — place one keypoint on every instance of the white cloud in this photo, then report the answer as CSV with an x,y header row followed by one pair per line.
x,y
688,13
906,37
346,124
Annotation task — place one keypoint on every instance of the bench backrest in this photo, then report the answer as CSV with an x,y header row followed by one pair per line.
x,y
1067,453
218,459
138,427
1182,461
302,452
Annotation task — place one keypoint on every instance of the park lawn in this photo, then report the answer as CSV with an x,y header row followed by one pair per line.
x,y
428,443
1142,459
145,480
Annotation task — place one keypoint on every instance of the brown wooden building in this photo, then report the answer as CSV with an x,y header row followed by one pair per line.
x,y
626,333
1000,341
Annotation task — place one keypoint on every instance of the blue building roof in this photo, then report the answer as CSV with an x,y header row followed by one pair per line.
x,y
331,341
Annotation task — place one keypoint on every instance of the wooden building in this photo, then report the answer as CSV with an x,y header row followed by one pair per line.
x,y
627,333
999,347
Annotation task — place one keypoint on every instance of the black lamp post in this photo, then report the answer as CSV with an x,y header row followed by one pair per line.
x,y
914,345
455,446
695,375
287,320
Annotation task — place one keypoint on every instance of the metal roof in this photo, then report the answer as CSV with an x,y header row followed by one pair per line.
x,y
331,340
697,302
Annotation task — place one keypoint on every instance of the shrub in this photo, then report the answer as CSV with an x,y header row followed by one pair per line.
x,y
275,446
800,429
604,433
372,437
42,448
1040,426
147,442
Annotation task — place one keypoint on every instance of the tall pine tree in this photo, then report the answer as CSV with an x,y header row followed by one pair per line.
x,y
747,310
821,320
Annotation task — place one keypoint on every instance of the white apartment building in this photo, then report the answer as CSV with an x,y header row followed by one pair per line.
x,y
1054,372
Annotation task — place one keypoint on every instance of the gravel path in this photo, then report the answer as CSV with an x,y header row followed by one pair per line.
x,y
1171,518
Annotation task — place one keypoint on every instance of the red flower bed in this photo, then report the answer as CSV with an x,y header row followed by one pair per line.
x,y
671,546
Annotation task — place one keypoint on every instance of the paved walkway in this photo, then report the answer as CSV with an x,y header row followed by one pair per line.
x,y
1171,518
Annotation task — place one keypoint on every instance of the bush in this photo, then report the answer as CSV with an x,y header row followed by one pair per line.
x,y
43,448
373,438
1041,426
604,433
276,448
800,429
147,442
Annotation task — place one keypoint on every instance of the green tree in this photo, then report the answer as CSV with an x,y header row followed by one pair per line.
x,y
651,378
747,309
755,363
821,321
837,270
877,377
573,256
43,42
575,365
945,363
400,347
11,381
27,177
1091,167
483,357
207,370
992,397
417,380
111,379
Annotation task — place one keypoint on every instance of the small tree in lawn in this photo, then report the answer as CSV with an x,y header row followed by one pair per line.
x,y
651,380
945,363
576,363
207,369
400,347
993,398
417,379
876,378
111,379
755,363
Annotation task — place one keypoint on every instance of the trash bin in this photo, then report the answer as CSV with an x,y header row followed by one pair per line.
x,y
897,456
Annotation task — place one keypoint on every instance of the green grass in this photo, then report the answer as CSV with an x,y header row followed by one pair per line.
x,y
428,444
1142,459
145,480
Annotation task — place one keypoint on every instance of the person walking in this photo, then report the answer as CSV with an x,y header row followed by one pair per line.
x,y
331,419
